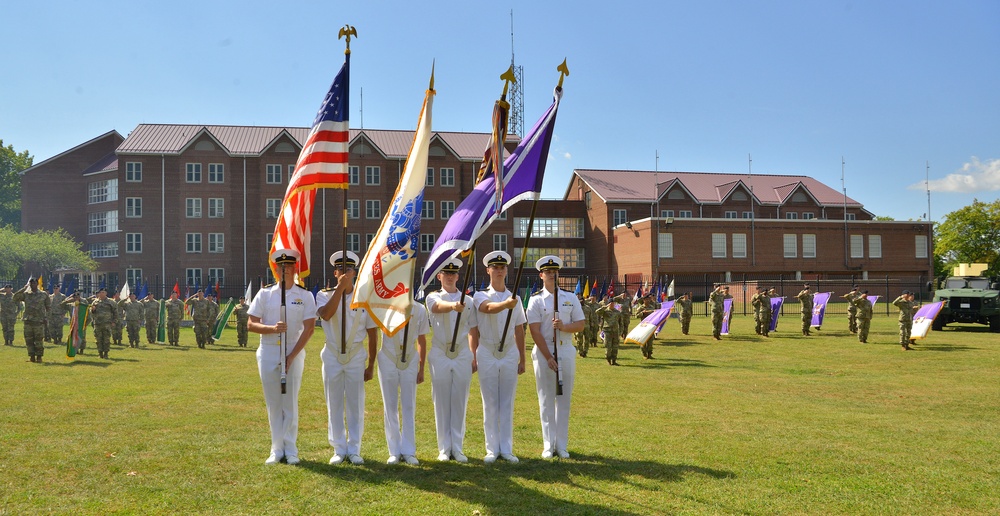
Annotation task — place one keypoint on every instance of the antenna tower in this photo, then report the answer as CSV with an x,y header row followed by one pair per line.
x,y
515,117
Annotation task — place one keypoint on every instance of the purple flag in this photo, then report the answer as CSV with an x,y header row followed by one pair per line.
x,y
776,303
522,179
923,319
651,325
727,314
819,307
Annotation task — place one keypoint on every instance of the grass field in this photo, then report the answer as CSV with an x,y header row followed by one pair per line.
x,y
748,425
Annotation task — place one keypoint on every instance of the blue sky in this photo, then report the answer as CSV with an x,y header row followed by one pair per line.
x,y
797,85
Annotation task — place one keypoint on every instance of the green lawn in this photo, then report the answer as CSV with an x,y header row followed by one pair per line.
x,y
789,424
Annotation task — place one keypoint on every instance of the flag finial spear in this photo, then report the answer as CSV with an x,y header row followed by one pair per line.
x,y
347,30
508,78
431,87
563,72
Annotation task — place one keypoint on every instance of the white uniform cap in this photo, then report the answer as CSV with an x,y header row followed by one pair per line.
x,y
337,259
496,258
285,256
452,265
549,263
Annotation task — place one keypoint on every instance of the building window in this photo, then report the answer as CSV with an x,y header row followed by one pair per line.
x,y
103,250
447,209
430,177
719,245
852,216
133,276
102,222
665,245
808,215
291,172
133,207
791,215
586,199
273,174
216,277
268,240
216,208
675,194
193,242
368,239
133,242
427,210
791,246
193,172
731,215
193,210
921,243
354,242
619,217
373,209
500,242
273,208
666,214
193,277
573,258
549,227
874,246
102,191
857,246
502,216
808,246
739,245
747,214
215,173
353,209
133,172
426,242
216,242
684,214
373,176
447,177
353,174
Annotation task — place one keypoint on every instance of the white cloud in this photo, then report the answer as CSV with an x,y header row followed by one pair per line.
x,y
974,176
567,155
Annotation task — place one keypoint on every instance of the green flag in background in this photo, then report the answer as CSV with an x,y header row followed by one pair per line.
x,y
222,319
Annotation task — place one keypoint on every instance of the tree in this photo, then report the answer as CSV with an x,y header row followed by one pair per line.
x,y
10,184
884,217
970,235
44,252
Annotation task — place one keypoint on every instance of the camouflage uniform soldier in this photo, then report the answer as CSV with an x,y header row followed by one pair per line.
x,y
151,317
852,309
242,318
611,326
906,306
580,337
103,311
756,303
8,315
864,315
686,311
805,298
134,312
36,316
117,323
57,314
625,315
765,310
213,317
717,298
593,323
175,314
201,310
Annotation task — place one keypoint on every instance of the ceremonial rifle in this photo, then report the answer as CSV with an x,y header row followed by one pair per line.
x,y
555,333
284,335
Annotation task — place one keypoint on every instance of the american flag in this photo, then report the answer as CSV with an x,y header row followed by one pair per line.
x,y
322,164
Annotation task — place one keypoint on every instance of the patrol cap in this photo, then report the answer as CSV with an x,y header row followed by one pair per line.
x,y
496,258
452,265
855,287
102,289
806,286
337,259
907,292
280,256
549,263
864,291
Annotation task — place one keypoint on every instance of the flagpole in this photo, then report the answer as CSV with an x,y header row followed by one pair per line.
x,y
347,31
555,333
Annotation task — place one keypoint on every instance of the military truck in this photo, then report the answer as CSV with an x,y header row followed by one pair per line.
x,y
969,299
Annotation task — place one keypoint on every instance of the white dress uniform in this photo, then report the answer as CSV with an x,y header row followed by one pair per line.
x,y
398,381
498,376
344,374
451,373
553,409
282,409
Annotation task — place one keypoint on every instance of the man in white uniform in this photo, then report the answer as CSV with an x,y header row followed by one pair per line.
x,y
451,366
552,332
499,363
344,358
294,326
400,369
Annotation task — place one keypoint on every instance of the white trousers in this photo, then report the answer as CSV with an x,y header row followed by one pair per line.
x,y
282,409
450,381
344,386
553,409
498,383
399,402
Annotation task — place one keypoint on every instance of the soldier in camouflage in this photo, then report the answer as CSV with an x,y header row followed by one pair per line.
x,y
117,323
36,316
242,318
8,315
686,311
765,311
103,311
151,317
906,306
756,303
201,310
134,314
625,315
580,337
611,326
805,297
175,314
718,301
864,315
57,314
852,309
213,317
593,323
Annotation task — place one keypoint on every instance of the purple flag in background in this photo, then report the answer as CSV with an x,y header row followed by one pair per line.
x,y
923,319
651,325
819,307
727,314
522,179
776,303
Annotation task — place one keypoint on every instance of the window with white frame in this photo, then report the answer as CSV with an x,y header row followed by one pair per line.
x,y
103,250
216,207
808,215
216,242
747,214
133,207
587,198
354,174
665,245
619,217
291,171
373,175
426,242
216,276
874,246
500,242
273,174
133,172
192,277
273,208
193,242
447,176
573,258
921,244
684,214
368,239
731,215
216,173
354,242
549,227
192,208
373,209
268,238
353,209
192,172
427,210
102,191
133,276
791,245
133,243
739,245
430,177
502,216
857,246
809,246
102,222
447,209
719,245
852,216
791,215
666,214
